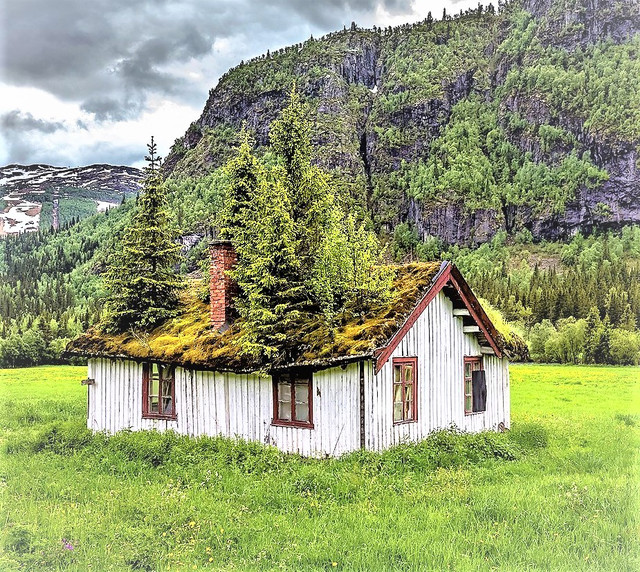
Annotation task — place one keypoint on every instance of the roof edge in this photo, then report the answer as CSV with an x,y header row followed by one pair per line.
x,y
437,283
317,364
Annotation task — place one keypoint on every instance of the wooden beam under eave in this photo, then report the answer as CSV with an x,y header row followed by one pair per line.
x,y
461,312
470,329
487,351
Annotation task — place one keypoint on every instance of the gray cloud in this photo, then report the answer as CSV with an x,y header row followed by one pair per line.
x,y
110,57
112,54
18,121
103,50
111,109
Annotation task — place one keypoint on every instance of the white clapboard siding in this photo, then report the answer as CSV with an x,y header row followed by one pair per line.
x,y
241,405
234,405
438,341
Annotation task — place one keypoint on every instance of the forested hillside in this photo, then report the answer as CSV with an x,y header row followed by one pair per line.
x,y
504,140
525,117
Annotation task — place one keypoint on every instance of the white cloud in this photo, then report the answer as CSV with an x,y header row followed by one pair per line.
x,y
88,82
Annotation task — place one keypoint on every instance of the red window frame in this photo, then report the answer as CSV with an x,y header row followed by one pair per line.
x,y
409,414
292,378
162,396
476,364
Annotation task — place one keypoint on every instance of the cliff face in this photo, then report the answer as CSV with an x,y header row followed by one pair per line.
x,y
526,118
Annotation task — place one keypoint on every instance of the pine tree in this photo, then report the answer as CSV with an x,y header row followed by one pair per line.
x,y
142,283
244,174
306,184
593,333
267,274
297,252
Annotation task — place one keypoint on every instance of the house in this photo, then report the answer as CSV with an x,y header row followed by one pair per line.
x,y
430,359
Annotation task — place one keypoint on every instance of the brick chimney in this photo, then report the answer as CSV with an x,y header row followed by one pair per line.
x,y
221,288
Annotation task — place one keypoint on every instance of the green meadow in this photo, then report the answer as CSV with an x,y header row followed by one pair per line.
x,y
557,492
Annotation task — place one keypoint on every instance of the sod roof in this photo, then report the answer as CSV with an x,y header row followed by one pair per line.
x,y
189,340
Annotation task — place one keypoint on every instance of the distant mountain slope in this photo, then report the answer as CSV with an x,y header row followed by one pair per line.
x,y
40,196
37,178
522,118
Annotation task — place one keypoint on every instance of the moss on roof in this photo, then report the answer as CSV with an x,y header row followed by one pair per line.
x,y
189,340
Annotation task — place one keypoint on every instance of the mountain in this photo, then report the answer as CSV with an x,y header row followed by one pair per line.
x,y
524,119
40,196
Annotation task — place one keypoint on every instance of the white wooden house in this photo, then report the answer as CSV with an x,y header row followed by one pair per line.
x,y
430,360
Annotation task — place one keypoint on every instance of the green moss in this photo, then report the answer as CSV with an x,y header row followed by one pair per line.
x,y
189,340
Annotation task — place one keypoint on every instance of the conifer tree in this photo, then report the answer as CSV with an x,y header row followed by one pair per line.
x,y
297,252
141,279
244,174
306,184
267,273
593,333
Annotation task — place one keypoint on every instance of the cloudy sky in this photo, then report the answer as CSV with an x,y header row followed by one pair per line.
x,y
88,81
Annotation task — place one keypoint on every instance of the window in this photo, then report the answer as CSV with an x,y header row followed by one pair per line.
x,y
405,378
475,386
293,399
158,391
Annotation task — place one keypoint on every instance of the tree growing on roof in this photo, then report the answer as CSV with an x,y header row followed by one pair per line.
x,y
298,252
141,279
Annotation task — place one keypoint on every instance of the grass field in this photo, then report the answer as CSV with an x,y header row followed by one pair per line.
x,y
558,492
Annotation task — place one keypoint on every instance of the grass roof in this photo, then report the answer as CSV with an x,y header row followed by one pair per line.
x,y
190,341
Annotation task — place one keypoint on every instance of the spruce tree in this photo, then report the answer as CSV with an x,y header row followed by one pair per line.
x,y
267,274
244,174
141,279
593,333
298,254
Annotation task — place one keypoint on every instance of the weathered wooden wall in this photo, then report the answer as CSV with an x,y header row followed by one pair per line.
x,y
212,403
439,343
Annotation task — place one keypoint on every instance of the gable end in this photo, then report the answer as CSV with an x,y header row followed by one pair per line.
x,y
448,275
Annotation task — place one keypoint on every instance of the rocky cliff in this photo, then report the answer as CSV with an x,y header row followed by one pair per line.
x,y
527,117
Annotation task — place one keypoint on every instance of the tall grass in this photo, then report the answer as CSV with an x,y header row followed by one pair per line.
x,y
557,492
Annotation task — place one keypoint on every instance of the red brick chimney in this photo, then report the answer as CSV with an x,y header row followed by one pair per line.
x,y
221,288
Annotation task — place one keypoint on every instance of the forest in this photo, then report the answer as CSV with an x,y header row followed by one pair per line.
x,y
576,302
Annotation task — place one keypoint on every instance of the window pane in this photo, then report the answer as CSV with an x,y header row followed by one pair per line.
x,y
467,369
153,403
167,405
408,373
302,393
468,403
408,393
397,393
467,387
284,401
302,411
397,411
397,374
408,409
155,371
302,401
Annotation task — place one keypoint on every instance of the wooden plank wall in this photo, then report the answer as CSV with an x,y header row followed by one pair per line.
x,y
439,343
212,403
